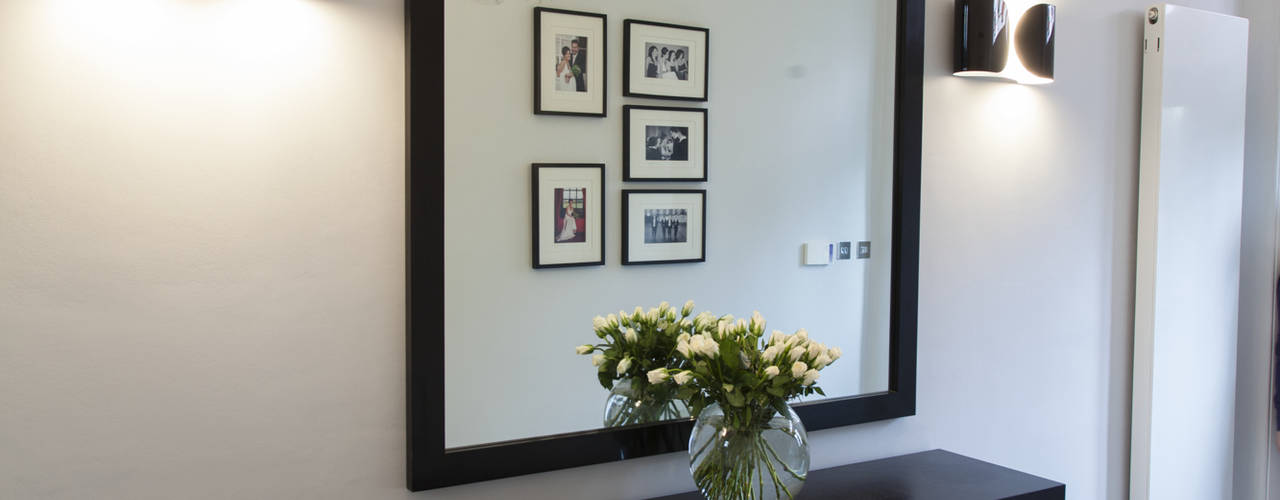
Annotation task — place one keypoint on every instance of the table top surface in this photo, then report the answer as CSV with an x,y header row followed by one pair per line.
x,y
937,474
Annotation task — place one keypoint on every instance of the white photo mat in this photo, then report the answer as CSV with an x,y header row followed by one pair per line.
x,y
640,168
691,250
549,177
695,87
555,24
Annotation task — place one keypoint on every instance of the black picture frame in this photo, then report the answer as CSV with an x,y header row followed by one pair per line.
x,y
430,464
539,106
535,183
627,74
627,174
628,253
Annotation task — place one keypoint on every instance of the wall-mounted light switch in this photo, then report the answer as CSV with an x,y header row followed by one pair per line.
x,y
818,253
864,249
844,251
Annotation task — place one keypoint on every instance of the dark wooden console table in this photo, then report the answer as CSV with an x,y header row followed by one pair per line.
x,y
928,475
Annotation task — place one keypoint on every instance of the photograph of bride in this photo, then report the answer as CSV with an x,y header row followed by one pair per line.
x,y
571,63
669,62
571,222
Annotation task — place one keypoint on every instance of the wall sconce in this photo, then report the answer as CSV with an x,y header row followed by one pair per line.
x,y
983,48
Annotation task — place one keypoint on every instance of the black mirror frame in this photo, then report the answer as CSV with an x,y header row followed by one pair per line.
x,y
431,465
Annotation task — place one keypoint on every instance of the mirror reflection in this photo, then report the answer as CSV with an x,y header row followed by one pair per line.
x,y
683,199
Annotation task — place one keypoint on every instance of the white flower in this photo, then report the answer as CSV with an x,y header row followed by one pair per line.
x,y
810,377
663,306
834,352
704,346
771,371
624,365
822,361
600,323
613,320
683,377
757,320
740,326
777,337
771,352
687,309
720,329
815,349
796,353
585,349
658,375
639,313
684,349
686,323
728,388
797,369
598,359
802,334
631,335
683,337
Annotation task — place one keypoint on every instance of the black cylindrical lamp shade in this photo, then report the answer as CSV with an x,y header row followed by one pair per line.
x,y
982,36
1034,40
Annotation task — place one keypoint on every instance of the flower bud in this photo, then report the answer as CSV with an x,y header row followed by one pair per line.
x,y
687,309
772,371
631,335
599,323
797,370
796,353
663,306
624,365
598,359
585,349
810,377
683,377
777,337
834,352
658,375
613,320
822,361
802,334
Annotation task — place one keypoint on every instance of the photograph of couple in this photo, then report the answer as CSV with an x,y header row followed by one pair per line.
x,y
571,221
667,62
666,225
666,143
571,64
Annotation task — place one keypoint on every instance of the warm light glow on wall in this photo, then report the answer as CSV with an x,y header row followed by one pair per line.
x,y
992,41
194,44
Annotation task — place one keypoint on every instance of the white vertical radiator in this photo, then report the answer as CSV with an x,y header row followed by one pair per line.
x,y
1188,254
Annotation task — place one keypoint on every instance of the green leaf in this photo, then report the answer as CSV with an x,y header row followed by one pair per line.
x,y
776,391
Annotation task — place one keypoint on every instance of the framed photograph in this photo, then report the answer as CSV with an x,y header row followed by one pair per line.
x,y
664,226
569,62
665,61
664,144
568,215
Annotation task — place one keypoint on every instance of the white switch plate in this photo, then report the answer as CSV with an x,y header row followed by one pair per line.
x,y
818,253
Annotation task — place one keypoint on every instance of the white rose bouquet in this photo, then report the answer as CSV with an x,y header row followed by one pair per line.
x,y
634,350
749,377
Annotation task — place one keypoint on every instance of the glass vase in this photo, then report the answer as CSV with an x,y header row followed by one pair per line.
x,y
748,456
631,402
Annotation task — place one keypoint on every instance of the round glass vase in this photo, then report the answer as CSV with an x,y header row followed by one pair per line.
x,y
632,402
765,457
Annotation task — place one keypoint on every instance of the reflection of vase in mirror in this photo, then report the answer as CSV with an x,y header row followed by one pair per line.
x,y
633,403
748,456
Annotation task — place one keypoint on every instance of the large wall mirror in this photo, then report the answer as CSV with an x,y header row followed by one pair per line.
x,y
812,131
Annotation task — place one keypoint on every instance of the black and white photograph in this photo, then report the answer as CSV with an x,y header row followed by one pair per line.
x,y
666,144
569,69
664,226
664,61
568,215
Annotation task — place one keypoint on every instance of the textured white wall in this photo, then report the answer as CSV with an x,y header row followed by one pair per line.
x,y
190,307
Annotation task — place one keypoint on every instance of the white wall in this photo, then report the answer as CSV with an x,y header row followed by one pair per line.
x,y
168,328
785,166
